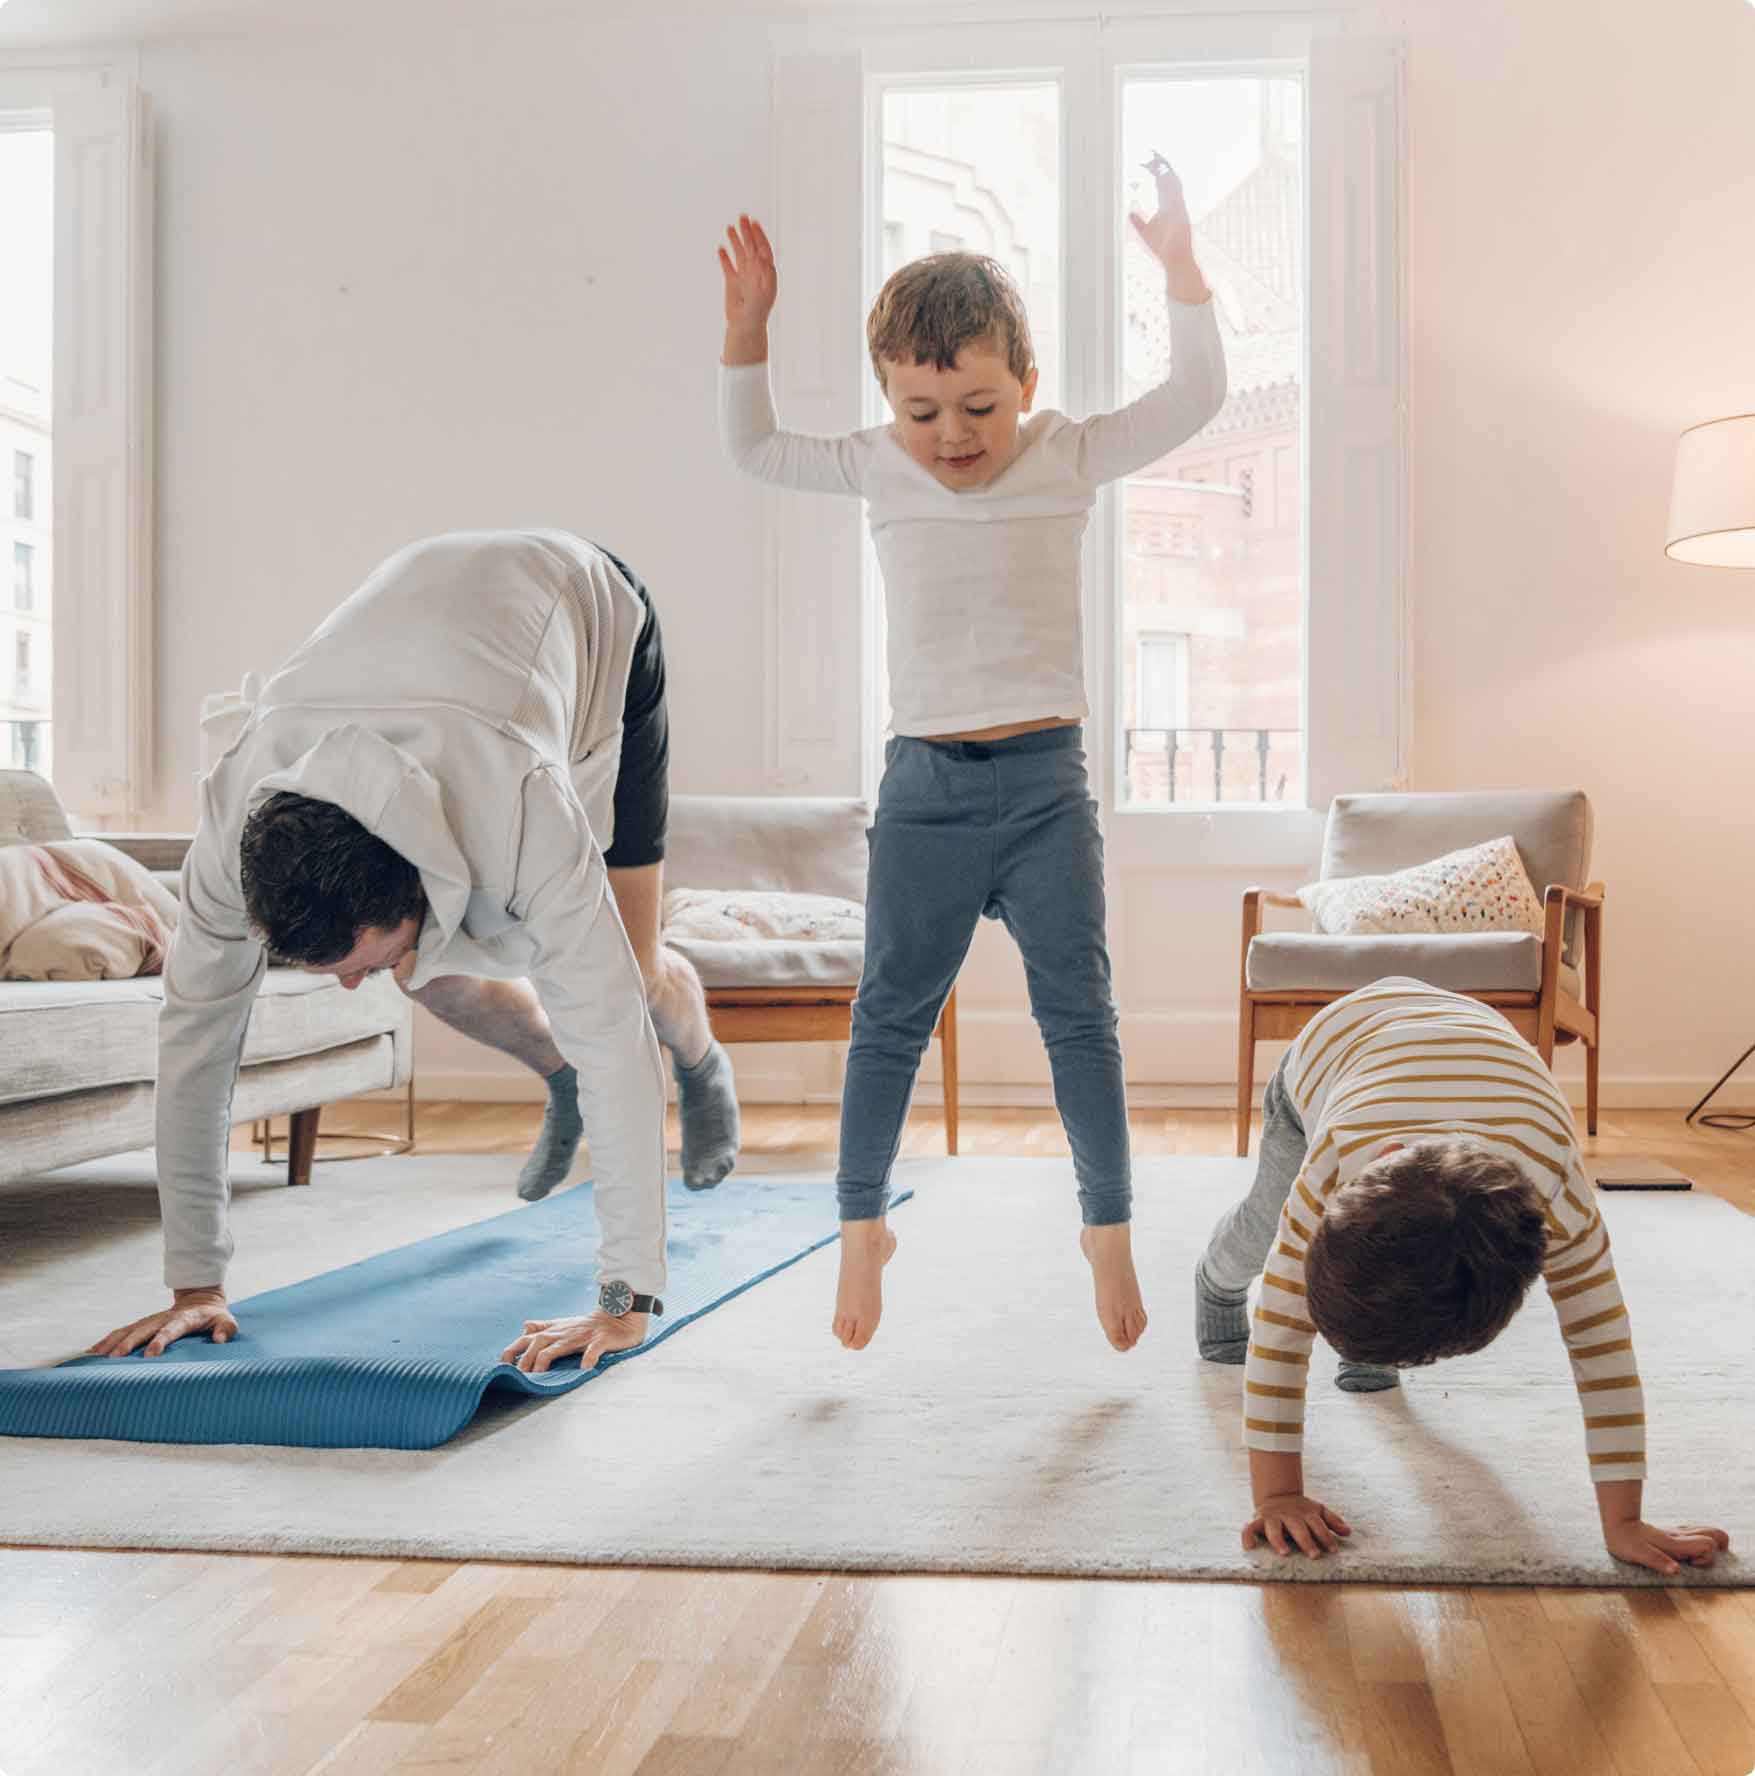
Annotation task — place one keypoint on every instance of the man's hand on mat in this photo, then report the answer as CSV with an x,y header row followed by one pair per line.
x,y
193,1310
1664,1551
590,1336
1289,1520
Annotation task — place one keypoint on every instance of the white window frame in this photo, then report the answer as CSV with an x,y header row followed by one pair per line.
x,y
101,422
1358,679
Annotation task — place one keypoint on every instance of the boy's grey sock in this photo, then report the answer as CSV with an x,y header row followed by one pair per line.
x,y
706,1101
1221,1320
1365,1378
552,1157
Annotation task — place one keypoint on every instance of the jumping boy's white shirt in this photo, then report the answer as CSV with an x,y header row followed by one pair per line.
x,y
465,705
1402,1061
981,588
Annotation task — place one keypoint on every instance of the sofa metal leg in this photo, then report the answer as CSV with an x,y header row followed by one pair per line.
x,y
301,1145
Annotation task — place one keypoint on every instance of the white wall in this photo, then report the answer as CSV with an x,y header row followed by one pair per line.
x,y
1583,262
421,271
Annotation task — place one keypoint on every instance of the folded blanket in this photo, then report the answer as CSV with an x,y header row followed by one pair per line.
x,y
78,909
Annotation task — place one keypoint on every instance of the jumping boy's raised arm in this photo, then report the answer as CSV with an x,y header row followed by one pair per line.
x,y
1111,445
748,426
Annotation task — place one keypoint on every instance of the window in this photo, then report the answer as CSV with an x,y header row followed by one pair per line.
x,y
1200,552
21,660
23,746
23,577
24,477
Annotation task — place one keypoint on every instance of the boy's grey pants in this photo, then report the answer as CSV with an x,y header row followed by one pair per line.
x,y
1005,829
1245,1235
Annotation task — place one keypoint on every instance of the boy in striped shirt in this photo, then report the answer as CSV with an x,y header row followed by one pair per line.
x,y
1418,1171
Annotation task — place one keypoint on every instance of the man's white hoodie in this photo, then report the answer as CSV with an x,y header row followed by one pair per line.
x,y
465,705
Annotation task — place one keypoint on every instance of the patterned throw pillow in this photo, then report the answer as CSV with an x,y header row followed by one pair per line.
x,y
709,915
1482,888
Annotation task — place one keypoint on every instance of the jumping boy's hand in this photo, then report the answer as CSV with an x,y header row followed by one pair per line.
x,y
751,284
1169,235
1288,1518
1664,1551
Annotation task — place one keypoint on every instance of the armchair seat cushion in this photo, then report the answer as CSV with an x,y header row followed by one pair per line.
x,y
1468,962
67,1036
774,962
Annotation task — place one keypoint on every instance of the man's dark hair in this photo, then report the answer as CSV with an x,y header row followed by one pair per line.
x,y
315,879
1426,1254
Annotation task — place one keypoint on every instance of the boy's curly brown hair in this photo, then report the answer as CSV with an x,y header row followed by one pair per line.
x,y
931,308
1428,1253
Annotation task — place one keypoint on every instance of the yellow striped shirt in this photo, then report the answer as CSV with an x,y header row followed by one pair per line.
x,y
1399,1060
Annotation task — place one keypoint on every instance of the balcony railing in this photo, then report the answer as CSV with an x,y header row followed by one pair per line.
x,y
1181,765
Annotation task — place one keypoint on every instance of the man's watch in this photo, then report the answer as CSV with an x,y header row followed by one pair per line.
x,y
617,1299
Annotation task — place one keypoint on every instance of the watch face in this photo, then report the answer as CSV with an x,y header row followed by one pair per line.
x,y
615,1298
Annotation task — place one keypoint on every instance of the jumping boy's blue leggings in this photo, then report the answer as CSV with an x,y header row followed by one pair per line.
x,y
1005,828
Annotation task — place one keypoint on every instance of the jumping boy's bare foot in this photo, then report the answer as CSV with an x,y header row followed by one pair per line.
x,y
866,1247
1120,1309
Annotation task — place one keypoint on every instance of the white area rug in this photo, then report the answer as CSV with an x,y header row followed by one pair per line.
x,y
988,1429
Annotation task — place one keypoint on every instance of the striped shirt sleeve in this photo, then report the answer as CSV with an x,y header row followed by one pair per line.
x,y
1276,1370
1580,1274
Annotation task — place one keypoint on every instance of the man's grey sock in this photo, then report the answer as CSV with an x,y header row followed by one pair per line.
x,y
1365,1378
1221,1320
552,1157
706,1101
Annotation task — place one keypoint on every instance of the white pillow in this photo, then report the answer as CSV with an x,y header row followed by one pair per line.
x,y
1481,888
714,915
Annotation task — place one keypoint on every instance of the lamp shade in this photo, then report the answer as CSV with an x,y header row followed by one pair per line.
x,y
1712,502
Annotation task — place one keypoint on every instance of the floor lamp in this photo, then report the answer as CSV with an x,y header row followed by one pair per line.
x,y
1712,523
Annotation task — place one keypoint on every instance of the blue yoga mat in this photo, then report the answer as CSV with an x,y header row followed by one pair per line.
x,y
396,1352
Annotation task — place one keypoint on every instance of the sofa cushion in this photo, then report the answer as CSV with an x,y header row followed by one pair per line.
x,y
79,1035
795,844
774,963
1469,962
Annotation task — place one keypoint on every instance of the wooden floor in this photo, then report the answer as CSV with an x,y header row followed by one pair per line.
x,y
127,1664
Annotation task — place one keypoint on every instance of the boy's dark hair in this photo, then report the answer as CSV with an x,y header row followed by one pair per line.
x,y
314,879
1427,1254
933,307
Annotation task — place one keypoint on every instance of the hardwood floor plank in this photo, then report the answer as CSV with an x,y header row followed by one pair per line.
x,y
1719,1735
1558,1725
431,1689
1592,1632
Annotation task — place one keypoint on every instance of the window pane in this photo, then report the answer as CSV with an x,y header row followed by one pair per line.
x,y
974,168
1212,535
26,327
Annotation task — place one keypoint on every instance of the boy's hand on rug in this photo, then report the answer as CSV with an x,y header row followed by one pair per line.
x,y
1294,1518
194,1310
591,1336
1664,1551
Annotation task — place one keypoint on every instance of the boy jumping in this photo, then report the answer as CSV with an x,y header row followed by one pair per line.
x,y
985,807
1418,1171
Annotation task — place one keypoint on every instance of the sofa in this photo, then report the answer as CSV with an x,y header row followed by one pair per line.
x,y
78,1059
